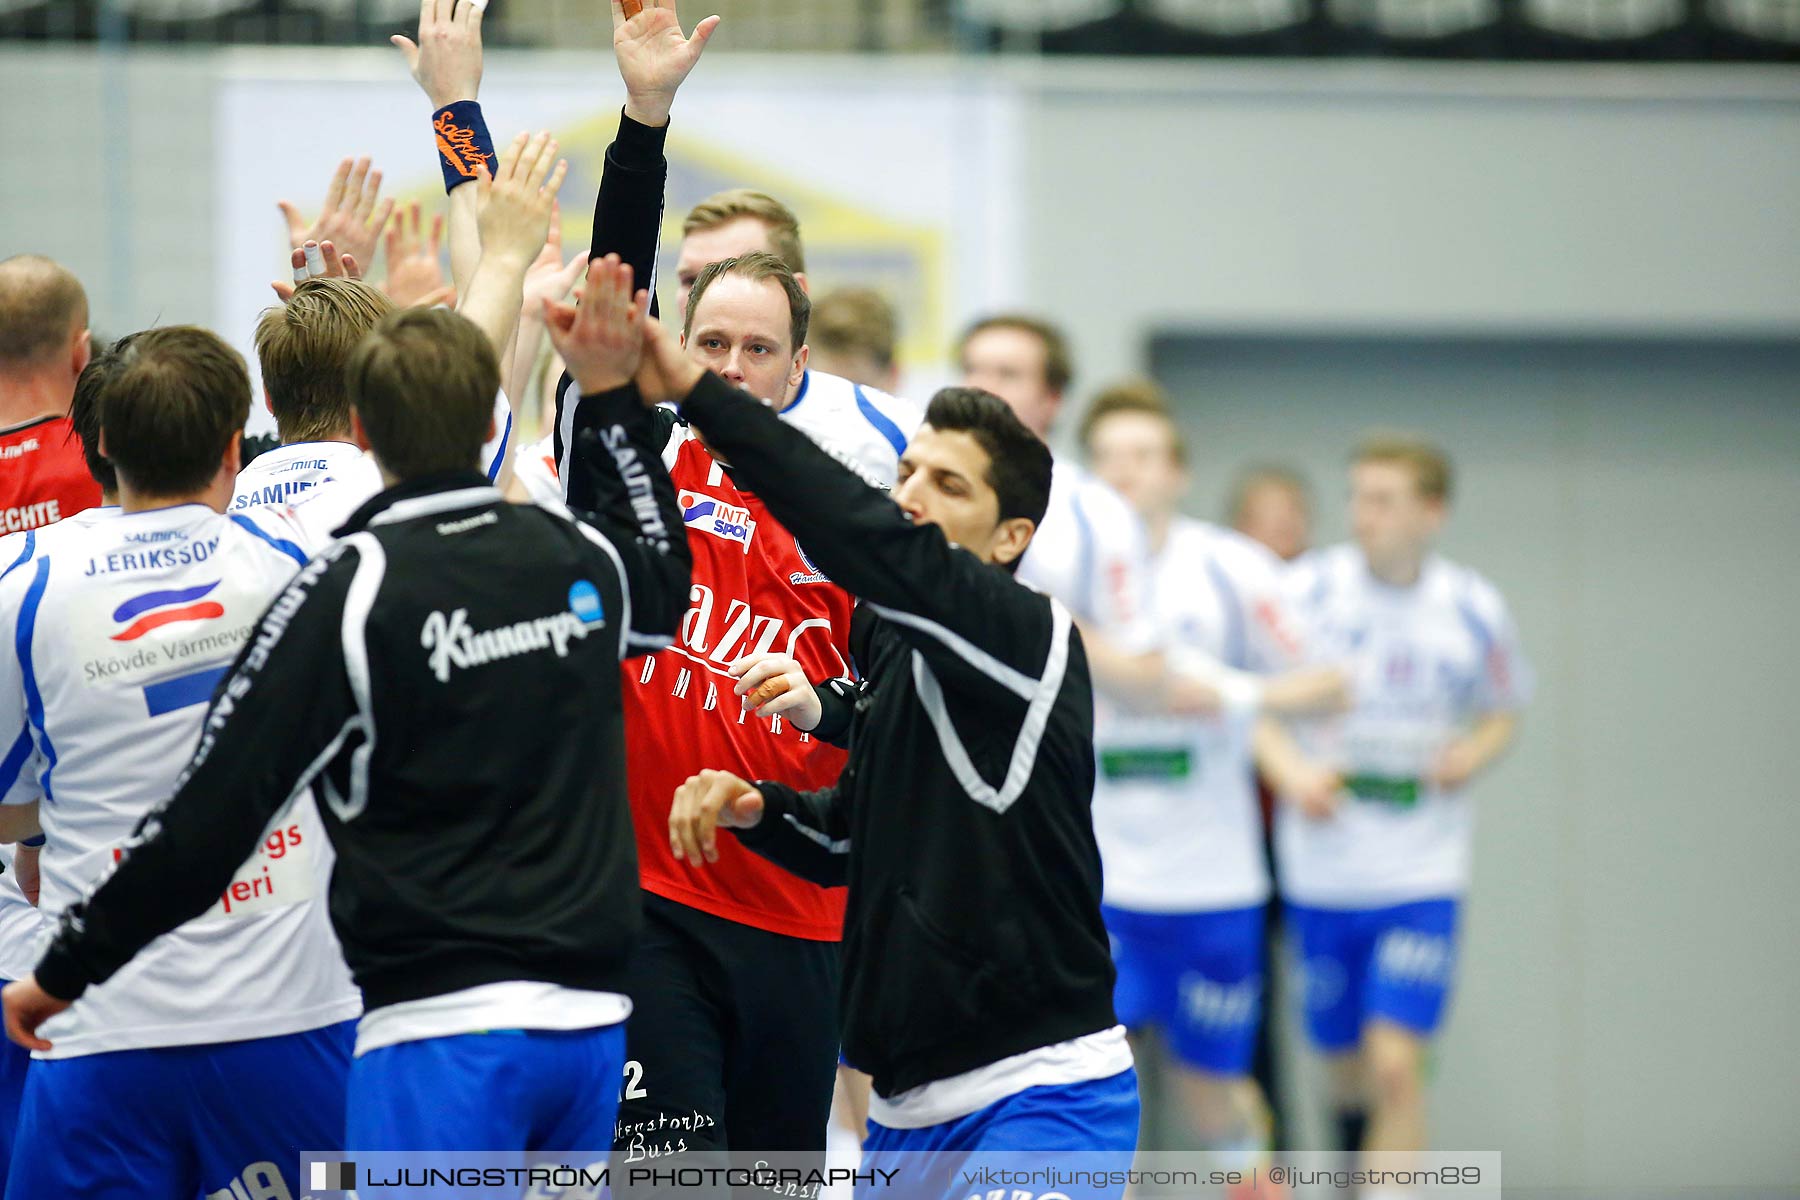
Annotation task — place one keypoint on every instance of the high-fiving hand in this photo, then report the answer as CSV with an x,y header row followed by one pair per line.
x,y
446,60
602,341
352,218
513,204
654,57
415,270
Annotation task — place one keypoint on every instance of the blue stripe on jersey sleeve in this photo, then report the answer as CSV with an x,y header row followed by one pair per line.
x,y
1237,648
14,762
34,698
282,544
24,555
880,420
493,471
1484,637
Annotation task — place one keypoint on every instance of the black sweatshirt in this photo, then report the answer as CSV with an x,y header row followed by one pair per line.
x,y
962,820
446,678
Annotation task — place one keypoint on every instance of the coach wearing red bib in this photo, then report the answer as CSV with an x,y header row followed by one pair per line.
x,y
733,1033
43,347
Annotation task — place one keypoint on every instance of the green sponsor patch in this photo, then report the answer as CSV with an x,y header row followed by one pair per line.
x,y
1384,789
1141,763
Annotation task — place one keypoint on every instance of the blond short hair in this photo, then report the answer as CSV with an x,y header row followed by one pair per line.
x,y
1428,463
854,320
304,346
726,207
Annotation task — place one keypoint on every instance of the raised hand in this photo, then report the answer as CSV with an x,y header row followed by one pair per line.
x,y
654,58
446,60
603,340
353,216
415,272
666,374
513,204
316,260
549,277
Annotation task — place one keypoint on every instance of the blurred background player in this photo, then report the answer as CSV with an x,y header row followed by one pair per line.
x,y
43,347
254,989
854,332
1175,807
1273,504
1089,551
1375,835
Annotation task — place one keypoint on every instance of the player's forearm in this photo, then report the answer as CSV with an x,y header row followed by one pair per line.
x,y
1134,680
628,209
464,236
527,344
855,533
492,301
1277,755
1304,692
803,833
637,510
18,822
176,866
1488,739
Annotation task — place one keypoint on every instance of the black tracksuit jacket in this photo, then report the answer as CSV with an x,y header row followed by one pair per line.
x,y
962,820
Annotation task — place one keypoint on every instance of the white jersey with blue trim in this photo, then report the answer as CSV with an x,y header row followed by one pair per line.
x,y
866,427
325,482
1090,552
1423,662
116,636
1175,805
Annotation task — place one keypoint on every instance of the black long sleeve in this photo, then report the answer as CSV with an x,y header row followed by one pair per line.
x,y
806,833
258,749
628,211
975,622
620,488
627,222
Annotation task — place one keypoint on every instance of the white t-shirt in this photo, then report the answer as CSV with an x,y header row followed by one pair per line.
x,y
1091,553
123,629
867,427
1175,807
326,482
1423,662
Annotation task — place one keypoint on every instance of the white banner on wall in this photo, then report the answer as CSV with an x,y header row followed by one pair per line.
x,y
904,181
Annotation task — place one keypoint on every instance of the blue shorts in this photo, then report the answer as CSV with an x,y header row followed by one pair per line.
x,y
182,1121
1197,975
1091,1125
14,1059
1395,963
511,1089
